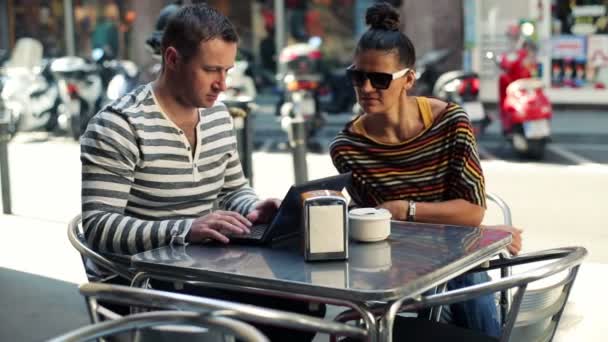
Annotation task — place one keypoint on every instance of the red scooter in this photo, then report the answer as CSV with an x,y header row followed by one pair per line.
x,y
525,110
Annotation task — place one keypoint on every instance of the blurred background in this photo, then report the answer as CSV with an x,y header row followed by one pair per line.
x,y
62,60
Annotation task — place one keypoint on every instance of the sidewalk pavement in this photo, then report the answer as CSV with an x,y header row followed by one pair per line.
x,y
46,195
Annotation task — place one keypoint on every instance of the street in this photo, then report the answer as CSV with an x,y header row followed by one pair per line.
x,y
558,202
579,137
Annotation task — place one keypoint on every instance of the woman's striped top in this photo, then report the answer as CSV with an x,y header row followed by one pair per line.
x,y
141,185
439,164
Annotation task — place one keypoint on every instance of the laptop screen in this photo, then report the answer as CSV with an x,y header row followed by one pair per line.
x,y
288,219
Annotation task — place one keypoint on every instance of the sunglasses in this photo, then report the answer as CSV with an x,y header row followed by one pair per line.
x,y
379,80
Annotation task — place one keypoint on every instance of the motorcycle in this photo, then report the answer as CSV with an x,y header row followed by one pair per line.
x,y
525,110
428,71
300,84
29,96
462,87
118,77
81,90
336,95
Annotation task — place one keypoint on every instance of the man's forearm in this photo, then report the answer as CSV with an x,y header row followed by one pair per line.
x,y
116,233
241,200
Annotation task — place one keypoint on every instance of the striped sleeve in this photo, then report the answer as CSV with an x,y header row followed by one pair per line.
x,y
466,176
236,194
109,156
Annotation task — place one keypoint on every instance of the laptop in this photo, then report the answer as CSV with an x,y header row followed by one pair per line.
x,y
288,219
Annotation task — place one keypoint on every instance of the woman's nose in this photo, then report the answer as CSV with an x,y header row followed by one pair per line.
x,y
367,87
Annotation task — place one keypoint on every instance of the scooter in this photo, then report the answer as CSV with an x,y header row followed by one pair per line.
x,y
428,71
336,95
525,110
29,96
118,77
81,91
300,84
462,87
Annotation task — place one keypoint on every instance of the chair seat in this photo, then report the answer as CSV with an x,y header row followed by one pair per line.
x,y
413,329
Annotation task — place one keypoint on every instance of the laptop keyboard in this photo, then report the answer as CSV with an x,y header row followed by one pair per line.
x,y
256,232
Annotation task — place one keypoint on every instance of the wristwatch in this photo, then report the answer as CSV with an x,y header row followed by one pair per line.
x,y
411,211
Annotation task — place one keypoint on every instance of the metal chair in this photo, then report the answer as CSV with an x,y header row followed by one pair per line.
x,y
563,259
505,296
502,205
93,259
163,300
435,313
241,330
77,239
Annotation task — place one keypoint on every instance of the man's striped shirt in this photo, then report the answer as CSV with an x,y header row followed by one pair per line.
x,y
439,164
141,186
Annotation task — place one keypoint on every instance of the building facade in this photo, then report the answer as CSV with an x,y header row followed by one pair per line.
x,y
123,25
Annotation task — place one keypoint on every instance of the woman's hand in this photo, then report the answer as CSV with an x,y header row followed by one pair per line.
x,y
398,209
515,246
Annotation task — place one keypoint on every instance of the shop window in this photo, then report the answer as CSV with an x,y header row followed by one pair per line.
x,y
579,44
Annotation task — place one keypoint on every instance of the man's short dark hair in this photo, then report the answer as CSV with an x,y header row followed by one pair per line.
x,y
193,24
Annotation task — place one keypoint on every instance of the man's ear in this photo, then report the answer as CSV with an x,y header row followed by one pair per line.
x,y
171,57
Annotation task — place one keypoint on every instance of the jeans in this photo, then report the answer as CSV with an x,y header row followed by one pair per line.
x,y
480,313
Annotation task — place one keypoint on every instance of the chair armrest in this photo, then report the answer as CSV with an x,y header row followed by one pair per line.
x,y
231,326
85,251
175,301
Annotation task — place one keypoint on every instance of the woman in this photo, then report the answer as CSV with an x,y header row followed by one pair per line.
x,y
415,156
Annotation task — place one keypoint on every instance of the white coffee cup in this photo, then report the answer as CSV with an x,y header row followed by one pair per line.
x,y
369,224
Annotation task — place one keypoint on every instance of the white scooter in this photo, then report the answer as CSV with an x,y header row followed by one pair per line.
x,y
81,91
29,93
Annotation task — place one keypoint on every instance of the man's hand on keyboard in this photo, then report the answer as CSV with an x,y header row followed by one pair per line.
x,y
216,224
264,211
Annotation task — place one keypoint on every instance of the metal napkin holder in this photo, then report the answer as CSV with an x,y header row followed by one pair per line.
x,y
325,224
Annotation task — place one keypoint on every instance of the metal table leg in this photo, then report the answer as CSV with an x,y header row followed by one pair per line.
x,y
142,279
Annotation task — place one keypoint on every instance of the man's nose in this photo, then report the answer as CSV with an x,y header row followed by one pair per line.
x,y
221,82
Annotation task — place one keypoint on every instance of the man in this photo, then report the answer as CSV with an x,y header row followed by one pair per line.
x,y
158,162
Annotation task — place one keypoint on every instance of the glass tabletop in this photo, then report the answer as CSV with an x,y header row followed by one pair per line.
x,y
414,258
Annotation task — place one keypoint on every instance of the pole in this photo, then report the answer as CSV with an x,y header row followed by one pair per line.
x,y
4,169
4,26
68,13
297,142
279,31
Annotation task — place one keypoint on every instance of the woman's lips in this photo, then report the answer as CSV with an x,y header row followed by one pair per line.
x,y
368,99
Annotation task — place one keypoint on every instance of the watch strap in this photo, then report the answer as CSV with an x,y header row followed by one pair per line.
x,y
411,212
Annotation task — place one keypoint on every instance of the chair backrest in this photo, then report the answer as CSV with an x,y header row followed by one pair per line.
x,y
173,301
564,259
77,239
502,205
241,330
505,296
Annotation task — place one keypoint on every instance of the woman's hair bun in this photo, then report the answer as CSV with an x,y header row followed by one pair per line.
x,y
382,16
